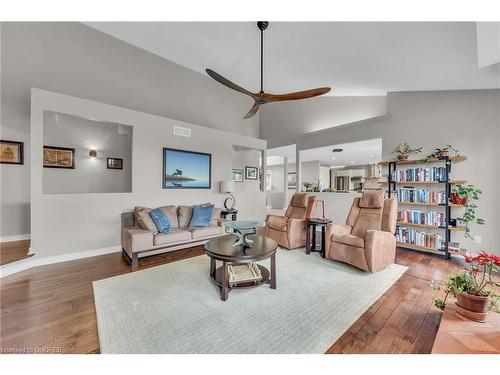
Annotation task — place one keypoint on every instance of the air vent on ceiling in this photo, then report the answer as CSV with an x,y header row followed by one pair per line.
x,y
182,132
337,150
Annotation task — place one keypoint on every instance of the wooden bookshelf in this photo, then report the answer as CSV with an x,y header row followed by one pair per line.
x,y
393,186
402,223
453,182
429,204
425,161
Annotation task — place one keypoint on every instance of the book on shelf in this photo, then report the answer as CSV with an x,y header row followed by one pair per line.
x,y
411,195
243,273
437,219
415,237
420,174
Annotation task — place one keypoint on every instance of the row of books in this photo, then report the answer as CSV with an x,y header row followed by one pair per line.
x,y
421,196
420,217
420,174
415,237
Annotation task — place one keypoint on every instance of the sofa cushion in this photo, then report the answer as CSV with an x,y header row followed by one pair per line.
x,y
185,213
349,239
372,199
175,235
161,220
143,219
277,222
202,215
171,212
211,230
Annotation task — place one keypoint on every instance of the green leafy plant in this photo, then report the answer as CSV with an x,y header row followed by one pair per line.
x,y
307,186
441,152
470,195
406,149
477,280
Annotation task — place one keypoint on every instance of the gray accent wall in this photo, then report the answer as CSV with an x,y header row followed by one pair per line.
x,y
74,59
282,123
469,120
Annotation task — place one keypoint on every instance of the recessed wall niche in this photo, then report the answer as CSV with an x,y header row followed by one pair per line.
x,y
85,170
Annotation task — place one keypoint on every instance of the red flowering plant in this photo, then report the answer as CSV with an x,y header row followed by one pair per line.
x,y
477,279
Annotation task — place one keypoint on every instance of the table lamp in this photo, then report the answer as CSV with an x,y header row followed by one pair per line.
x,y
228,187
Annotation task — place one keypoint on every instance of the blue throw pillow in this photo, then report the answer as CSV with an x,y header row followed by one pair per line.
x,y
161,220
201,216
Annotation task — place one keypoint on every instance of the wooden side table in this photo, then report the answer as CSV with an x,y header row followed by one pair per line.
x,y
232,213
459,335
311,225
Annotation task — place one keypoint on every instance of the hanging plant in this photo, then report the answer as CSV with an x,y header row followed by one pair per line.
x,y
440,153
468,196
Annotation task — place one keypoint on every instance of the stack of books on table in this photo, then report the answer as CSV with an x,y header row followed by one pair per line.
x,y
239,273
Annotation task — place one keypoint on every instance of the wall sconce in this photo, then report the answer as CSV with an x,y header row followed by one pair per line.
x,y
92,154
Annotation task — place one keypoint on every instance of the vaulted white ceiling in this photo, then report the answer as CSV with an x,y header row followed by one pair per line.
x,y
354,58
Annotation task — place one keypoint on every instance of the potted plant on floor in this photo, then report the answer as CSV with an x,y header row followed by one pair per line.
x,y
467,196
441,153
405,150
473,287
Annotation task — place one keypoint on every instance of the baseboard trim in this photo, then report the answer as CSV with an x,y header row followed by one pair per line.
x,y
16,237
34,261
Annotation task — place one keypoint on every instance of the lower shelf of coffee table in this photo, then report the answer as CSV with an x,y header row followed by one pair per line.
x,y
243,284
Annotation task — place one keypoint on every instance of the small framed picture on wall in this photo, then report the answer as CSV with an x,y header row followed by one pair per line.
x,y
251,173
292,180
11,152
114,163
58,157
238,175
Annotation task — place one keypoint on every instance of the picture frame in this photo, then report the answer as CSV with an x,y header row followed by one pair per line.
x,y
251,173
58,157
292,180
114,163
183,169
11,152
238,175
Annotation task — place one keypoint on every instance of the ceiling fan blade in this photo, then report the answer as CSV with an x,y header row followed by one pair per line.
x,y
252,111
228,83
296,95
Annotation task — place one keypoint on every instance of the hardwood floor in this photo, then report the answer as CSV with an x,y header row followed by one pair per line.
x,y
51,308
13,250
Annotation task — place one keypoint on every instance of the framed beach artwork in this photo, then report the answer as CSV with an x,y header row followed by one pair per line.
x,y
114,163
58,157
251,173
292,180
238,175
11,152
186,169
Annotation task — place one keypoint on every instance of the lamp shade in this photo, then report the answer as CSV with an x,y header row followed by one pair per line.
x,y
226,186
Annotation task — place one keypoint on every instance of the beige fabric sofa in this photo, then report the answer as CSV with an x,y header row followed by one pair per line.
x,y
367,240
140,237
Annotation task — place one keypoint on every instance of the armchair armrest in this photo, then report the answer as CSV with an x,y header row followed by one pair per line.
x,y
136,239
380,249
334,230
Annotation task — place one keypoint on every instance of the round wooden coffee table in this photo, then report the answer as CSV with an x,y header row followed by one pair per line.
x,y
222,249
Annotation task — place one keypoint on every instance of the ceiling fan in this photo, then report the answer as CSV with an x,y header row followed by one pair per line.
x,y
262,97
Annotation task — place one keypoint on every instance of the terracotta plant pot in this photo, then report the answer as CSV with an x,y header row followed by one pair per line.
x,y
456,199
477,304
402,157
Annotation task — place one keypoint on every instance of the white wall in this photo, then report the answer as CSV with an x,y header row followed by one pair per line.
x,y
67,223
89,175
469,120
309,172
281,123
75,59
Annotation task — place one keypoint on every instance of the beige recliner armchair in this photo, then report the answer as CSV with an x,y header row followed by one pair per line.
x,y
289,231
367,240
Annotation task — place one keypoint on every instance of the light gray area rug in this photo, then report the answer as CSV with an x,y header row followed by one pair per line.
x,y
175,308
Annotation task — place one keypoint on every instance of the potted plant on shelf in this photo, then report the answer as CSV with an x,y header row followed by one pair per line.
x,y
441,153
467,196
472,287
405,150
